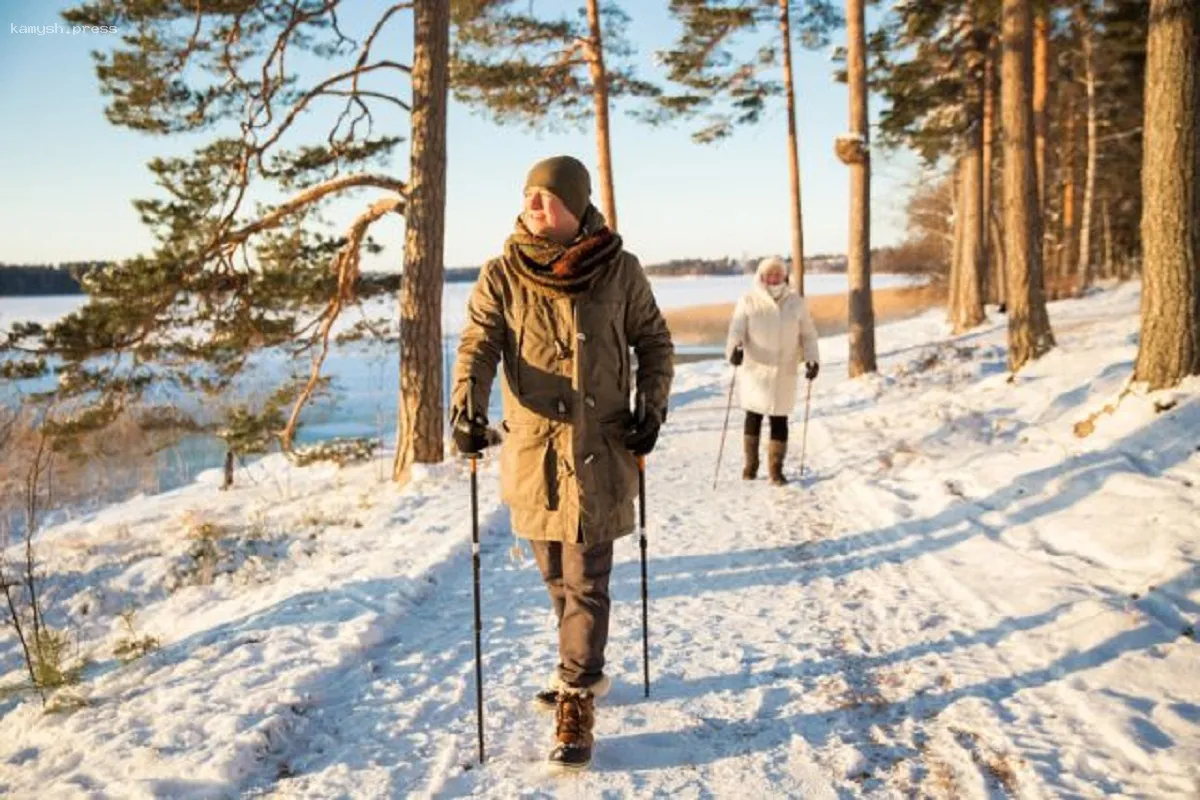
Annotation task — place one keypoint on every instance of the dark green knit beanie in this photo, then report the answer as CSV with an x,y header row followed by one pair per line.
x,y
566,178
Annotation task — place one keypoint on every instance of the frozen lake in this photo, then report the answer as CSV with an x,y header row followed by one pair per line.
x,y
365,375
671,293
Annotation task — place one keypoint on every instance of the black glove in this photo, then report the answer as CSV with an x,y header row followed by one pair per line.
x,y
470,436
737,356
642,434
811,369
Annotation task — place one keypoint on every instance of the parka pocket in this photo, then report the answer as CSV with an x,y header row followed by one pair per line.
x,y
529,466
620,465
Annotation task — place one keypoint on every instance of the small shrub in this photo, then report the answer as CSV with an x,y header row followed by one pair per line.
x,y
337,451
51,668
132,647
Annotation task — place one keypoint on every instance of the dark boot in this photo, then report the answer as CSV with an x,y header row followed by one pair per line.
x,y
573,722
750,471
776,452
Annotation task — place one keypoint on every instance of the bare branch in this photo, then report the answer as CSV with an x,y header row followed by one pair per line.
x,y
346,263
312,195
366,49
320,88
361,93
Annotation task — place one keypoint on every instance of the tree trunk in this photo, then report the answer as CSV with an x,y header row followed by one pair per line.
x,y
968,302
608,198
1089,179
992,289
1170,343
956,248
1029,334
419,426
1042,67
1041,95
1064,274
1110,270
997,234
862,314
228,481
785,31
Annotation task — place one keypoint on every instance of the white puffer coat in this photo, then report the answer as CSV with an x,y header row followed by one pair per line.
x,y
775,336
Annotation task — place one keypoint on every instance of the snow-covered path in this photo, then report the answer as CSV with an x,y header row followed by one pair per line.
x,y
960,599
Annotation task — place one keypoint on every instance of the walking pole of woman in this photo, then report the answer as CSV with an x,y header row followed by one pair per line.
x,y
804,433
725,427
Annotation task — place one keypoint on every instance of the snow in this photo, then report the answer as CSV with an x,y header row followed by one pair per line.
x,y
962,598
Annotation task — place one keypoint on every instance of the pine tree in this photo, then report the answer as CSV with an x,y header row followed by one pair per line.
x,y
724,67
245,259
1085,20
937,106
547,72
419,426
1170,345
1120,53
1029,335
858,269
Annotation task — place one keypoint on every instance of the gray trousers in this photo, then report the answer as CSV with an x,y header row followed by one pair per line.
x,y
576,577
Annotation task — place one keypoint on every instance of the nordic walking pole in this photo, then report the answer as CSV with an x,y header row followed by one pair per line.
x,y
804,433
645,591
641,462
725,427
474,458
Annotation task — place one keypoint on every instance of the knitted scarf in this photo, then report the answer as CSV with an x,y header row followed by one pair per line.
x,y
558,270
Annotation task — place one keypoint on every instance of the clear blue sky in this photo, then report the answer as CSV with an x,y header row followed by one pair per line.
x,y
69,176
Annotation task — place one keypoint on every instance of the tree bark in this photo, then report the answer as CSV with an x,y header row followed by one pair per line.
x,y
992,265
862,314
420,424
1170,343
997,235
1056,288
1041,95
1042,68
608,198
1029,334
1110,270
1086,273
968,301
793,144
956,246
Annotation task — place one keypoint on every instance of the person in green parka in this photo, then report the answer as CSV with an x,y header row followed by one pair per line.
x,y
560,311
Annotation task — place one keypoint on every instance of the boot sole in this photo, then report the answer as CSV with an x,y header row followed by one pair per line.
x,y
568,768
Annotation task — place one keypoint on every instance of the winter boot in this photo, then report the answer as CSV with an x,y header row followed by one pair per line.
x,y
750,472
574,719
775,455
547,699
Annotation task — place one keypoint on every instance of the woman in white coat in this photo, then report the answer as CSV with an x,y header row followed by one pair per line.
x,y
770,333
